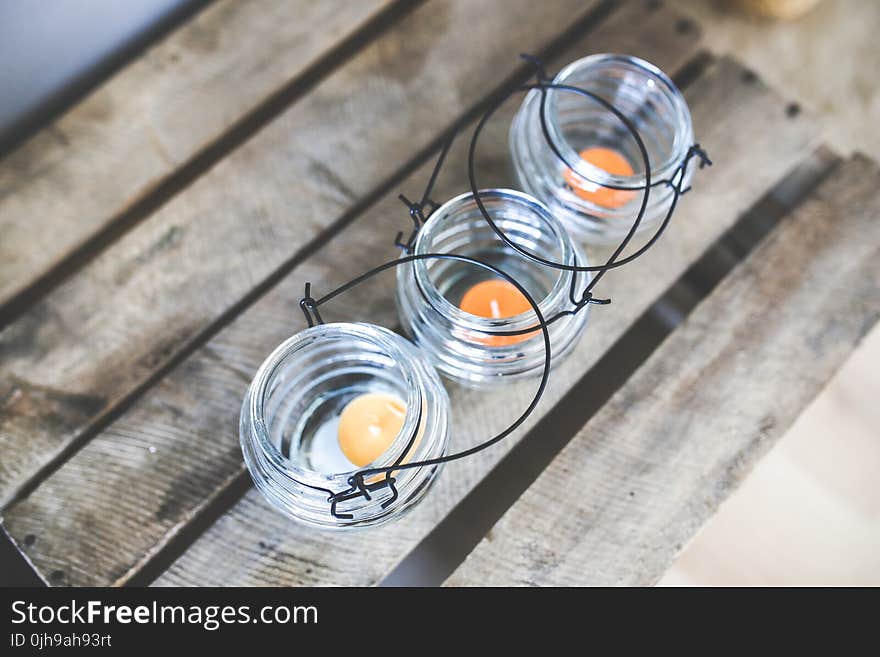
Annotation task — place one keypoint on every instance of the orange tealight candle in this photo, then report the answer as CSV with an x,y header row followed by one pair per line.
x,y
496,299
610,161
368,426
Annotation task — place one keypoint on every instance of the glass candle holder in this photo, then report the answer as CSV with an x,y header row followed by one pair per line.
x,y
431,294
291,414
597,148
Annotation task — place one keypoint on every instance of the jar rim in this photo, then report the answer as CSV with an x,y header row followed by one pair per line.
x,y
681,141
258,391
467,320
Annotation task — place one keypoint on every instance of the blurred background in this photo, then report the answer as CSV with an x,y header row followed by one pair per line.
x,y
810,512
53,52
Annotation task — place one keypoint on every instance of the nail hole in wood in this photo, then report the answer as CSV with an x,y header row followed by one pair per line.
x,y
749,76
684,26
57,575
29,540
792,110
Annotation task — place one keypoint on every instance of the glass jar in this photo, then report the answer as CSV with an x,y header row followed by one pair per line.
x,y
292,408
597,148
430,291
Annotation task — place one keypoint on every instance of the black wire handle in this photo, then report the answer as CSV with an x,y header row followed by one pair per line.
x,y
358,487
417,208
421,210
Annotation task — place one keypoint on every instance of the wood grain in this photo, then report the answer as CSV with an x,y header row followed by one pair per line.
x,y
253,544
100,337
643,475
122,141
153,470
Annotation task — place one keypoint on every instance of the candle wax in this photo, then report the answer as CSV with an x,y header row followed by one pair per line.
x,y
368,425
610,161
496,299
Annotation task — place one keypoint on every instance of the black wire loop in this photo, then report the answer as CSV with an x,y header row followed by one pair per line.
x,y
358,487
310,308
420,211
540,71
418,216
694,151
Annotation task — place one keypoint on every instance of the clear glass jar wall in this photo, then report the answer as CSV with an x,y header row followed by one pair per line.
x,y
292,408
643,94
429,292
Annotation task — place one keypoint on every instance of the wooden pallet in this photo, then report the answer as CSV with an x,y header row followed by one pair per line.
x,y
157,237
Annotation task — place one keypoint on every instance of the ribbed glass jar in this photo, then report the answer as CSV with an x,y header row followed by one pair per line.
x,y
300,390
429,291
575,194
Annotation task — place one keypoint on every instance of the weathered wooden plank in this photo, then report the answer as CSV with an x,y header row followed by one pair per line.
x,y
151,471
643,475
754,143
103,334
122,141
